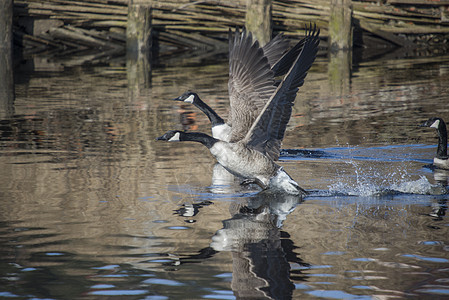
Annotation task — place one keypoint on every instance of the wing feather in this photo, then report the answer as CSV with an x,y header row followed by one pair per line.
x,y
284,63
250,85
268,130
275,49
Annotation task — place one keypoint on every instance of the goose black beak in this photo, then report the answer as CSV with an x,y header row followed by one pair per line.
x,y
161,138
178,99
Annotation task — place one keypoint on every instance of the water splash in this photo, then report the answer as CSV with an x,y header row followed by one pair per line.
x,y
370,182
421,187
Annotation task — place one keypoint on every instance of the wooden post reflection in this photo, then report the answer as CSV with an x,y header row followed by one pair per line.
x,y
6,64
339,72
138,67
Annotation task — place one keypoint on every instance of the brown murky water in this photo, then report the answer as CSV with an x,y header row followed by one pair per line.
x,y
91,206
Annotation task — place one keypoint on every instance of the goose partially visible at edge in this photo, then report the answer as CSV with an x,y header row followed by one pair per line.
x,y
245,103
441,160
251,153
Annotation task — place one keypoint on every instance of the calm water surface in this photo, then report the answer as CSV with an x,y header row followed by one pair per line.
x,y
92,207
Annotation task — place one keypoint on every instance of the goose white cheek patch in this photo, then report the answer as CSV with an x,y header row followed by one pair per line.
x,y
189,99
435,124
174,138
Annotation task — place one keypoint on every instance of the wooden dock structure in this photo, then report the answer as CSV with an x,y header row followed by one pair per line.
x,y
69,26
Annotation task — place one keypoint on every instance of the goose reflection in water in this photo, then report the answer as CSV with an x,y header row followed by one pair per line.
x,y
261,251
439,206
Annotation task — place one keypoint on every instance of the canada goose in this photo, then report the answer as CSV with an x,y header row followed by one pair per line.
x,y
248,107
442,159
252,156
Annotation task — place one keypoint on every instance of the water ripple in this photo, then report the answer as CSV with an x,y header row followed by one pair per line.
x,y
335,294
426,258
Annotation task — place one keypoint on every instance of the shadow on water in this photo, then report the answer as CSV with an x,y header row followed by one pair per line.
x,y
92,206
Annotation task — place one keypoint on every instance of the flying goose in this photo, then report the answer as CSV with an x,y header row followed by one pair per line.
x,y
251,154
280,61
442,159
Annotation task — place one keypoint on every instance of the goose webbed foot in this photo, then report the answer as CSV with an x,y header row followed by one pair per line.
x,y
254,181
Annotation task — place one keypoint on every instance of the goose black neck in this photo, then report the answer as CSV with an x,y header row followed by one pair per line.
x,y
214,118
442,141
199,137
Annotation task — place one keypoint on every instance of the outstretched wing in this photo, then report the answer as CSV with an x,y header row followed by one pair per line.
x,y
250,85
268,130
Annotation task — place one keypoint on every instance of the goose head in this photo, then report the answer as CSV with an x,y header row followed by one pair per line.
x,y
436,123
189,97
170,136
182,136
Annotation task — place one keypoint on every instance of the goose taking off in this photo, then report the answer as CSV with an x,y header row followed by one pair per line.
x,y
441,160
250,153
246,98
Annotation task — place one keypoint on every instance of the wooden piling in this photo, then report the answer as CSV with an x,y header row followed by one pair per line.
x,y
258,19
138,28
340,25
6,11
138,47
6,64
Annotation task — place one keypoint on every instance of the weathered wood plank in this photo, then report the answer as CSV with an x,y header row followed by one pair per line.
x,y
386,35
214,17
419,2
